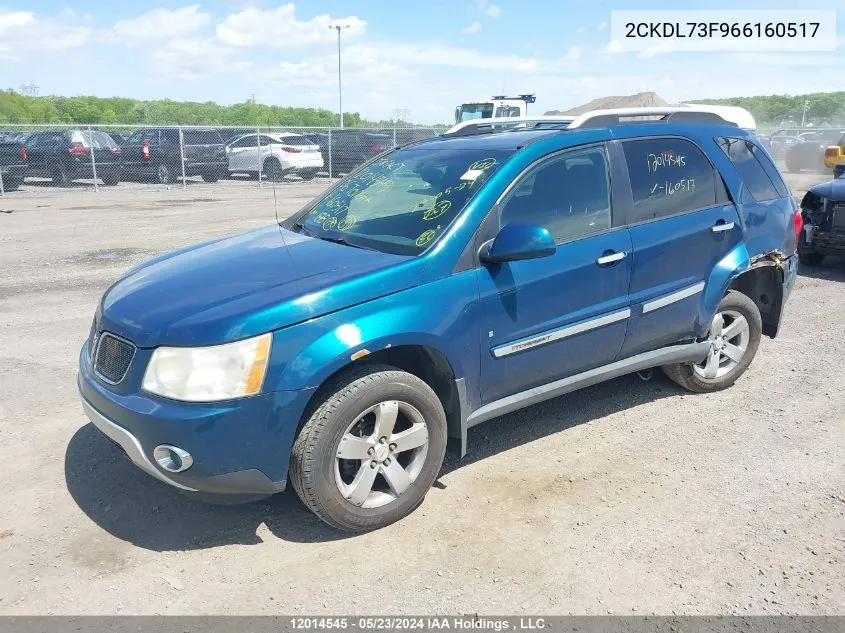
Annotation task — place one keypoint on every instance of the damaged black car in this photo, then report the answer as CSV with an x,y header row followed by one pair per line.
x,y
823,211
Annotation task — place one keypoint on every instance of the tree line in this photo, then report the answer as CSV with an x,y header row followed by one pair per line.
x,y
822,108
18,108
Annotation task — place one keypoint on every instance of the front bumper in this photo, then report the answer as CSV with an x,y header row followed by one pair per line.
x,y
239,447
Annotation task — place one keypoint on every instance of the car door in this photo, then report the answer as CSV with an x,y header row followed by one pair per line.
x,y
243,154
544,319
36,158
682,224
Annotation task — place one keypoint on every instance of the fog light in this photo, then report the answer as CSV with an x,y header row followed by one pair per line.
x,y
172,458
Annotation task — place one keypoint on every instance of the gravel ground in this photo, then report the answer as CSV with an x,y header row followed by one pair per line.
x,y
628,497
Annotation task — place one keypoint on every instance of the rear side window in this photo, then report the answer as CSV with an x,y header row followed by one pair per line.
x,y
294,141
668,176
748,160
202,137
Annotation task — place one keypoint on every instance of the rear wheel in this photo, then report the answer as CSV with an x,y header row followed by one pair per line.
x,y
273,169
734,337
211,176
810,259
165,174
11,184
369,453
60,175
308,174
111,179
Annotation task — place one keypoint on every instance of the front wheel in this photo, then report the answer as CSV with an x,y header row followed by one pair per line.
x,y
211,176
371,450
273,170
734,337
810,258
60,176
11,184
308,174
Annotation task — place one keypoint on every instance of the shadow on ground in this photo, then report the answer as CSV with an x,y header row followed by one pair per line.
x,y
831,269
136,508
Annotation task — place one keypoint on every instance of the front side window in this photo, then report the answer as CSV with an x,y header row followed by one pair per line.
x,y
569,195
404,201
246,141
668,176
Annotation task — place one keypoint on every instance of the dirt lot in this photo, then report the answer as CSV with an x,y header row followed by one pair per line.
x,y
628,497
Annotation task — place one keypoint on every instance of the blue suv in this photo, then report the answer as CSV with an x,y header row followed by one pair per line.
x,y
440,285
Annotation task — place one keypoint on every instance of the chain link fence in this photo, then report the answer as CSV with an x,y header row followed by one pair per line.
x,y
59,157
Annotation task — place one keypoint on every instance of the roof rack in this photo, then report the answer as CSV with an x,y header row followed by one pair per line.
x,y
683,113
475,127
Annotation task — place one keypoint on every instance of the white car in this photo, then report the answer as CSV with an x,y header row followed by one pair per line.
x,y
275,155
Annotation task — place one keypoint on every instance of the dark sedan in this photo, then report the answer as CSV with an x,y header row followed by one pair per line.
x,y
809,153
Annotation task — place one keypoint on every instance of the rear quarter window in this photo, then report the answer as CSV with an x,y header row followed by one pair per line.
x,y
748,160
668,176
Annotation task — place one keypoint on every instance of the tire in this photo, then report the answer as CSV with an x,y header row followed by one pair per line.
x,y
60,176
272,169
810,258
211,177
12,184
165,174
111,179
694,377
308,175
792,166
353,404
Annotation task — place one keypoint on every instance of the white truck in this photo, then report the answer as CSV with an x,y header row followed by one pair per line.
x,y
497,107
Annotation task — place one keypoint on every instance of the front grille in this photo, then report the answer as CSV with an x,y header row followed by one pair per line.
x,y
112,357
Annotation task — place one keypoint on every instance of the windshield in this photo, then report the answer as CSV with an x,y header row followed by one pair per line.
x,y
402,202
470,111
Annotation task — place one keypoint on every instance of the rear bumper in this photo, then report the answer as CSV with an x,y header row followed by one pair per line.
x,y
13,171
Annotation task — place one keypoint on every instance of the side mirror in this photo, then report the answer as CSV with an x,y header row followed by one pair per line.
x,y
516,242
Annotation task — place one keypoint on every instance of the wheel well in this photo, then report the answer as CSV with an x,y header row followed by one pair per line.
x,y
763,284
426,363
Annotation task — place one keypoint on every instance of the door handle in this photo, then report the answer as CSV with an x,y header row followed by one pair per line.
x,y
610,258
721,227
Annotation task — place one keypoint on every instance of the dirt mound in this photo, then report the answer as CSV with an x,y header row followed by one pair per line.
x,y
639,100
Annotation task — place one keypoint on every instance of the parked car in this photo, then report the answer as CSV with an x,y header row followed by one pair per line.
x,y
276,155
823,211
442,285
781,144
158,152
14,137
66,155
350,148
13,164
809,152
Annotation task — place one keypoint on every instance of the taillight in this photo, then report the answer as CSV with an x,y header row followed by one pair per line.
x,y
115,150
291,150
23,153
798,220
377,148
77,149
145,149
832,152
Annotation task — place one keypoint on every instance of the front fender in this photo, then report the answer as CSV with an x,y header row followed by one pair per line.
x,y
441,315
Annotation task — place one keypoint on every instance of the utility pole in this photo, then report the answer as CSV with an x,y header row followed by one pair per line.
x,y
804,112
339,28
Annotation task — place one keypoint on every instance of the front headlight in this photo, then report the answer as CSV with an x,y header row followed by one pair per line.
x,y
206,374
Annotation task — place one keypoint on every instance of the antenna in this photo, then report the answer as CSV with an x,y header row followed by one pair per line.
x,y
29,90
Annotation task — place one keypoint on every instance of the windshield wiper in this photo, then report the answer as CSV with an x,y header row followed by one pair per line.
x,y
344,241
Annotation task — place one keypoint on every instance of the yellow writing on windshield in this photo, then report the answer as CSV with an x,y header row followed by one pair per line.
x,y
437,210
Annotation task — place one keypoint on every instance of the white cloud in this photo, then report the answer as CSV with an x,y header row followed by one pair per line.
x,y
23,35
615,46
362,66
475,27
573,54
188,58
158,24
280,28
493,11
433,54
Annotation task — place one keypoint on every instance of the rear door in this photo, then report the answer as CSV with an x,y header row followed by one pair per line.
x,y
682,224
547,318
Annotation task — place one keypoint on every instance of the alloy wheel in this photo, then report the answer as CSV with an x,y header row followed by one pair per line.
x,y
729,336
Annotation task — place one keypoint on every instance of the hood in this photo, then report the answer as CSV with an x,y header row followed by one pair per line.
x,y
246,285
832,190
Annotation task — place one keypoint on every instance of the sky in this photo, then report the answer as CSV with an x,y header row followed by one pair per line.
x,y
414,60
